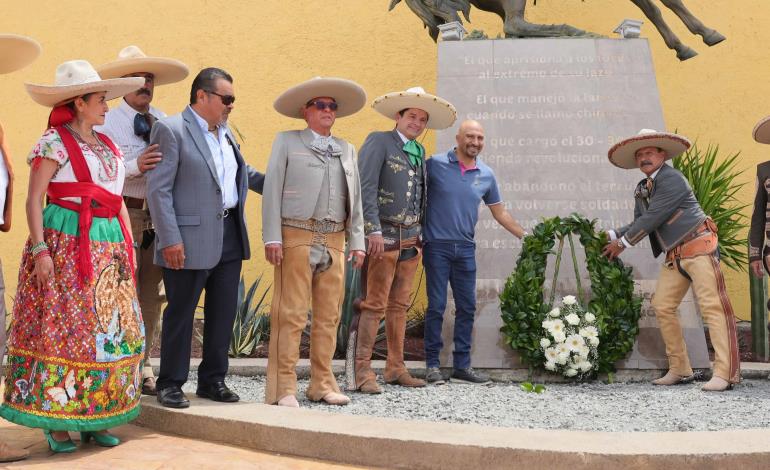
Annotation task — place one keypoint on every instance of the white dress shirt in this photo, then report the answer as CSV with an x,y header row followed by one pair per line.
x,y
4,180
119,127
224,161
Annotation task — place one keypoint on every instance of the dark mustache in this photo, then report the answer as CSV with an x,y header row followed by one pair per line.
x,y
646,162
144,91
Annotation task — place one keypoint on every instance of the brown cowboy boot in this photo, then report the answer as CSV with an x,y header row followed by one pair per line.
x,y
8,454
672,378
406,380
368,323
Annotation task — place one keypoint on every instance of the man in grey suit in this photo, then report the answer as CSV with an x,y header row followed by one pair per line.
x,y
196,196
667,212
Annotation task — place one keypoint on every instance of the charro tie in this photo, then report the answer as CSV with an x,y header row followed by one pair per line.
x,y
415,151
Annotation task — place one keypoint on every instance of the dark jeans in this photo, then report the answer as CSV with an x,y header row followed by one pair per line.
x,y
454,263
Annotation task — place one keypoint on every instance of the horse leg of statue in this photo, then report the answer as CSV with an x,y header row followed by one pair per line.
x,y
710,36
515,26
652,12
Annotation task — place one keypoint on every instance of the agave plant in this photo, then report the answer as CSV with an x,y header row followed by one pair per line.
x,y
714,182
252,324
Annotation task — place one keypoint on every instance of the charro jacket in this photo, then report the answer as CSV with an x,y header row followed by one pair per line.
x,y
667,216
392,189
293,185
759,220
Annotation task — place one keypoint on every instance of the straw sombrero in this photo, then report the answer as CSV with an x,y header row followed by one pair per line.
x,y
441,113
623,154
16,52
762,131
77,77
131,59
349,95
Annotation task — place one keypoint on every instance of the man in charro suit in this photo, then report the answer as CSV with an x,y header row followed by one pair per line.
x,y
311,208
196,195
393,182
759,252
667,212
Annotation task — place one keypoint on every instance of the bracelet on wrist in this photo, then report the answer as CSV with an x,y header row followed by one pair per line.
x,y
41,254
38,247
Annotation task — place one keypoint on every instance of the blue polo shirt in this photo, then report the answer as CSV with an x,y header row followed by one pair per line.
x,y
453,198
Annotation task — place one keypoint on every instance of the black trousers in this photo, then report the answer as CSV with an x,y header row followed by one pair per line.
x,y
183,291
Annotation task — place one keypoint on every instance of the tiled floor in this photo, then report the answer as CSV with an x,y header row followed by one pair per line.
x,y
143,449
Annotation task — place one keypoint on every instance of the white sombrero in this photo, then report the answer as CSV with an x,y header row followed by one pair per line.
x,y
441,113
77,77
762,131
131,59
623,154
349,95
17,52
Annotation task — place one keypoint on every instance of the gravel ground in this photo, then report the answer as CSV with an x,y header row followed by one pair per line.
x,y
624,407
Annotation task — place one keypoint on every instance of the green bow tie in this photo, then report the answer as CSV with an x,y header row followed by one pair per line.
x,y
415,151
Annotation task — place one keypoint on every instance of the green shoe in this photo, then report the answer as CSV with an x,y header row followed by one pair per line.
x,y
59,447
102,439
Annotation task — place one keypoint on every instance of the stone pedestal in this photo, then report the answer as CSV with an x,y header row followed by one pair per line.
x,y
551,109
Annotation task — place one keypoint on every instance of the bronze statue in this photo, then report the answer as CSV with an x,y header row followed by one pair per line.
x,y
436,12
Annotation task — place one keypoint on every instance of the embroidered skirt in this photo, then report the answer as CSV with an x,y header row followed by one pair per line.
x,y
75,350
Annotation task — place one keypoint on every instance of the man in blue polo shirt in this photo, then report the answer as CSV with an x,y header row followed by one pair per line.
x,y
457,183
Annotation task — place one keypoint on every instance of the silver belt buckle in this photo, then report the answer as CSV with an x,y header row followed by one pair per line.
x,y
325,226
410,219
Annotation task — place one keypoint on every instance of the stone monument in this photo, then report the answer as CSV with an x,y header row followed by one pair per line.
x,y
551,109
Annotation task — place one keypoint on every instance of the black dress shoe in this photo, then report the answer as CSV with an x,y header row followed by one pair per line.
x,y
217,391
173,397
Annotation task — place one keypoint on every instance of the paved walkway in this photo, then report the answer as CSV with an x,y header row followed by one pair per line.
x,y
145,449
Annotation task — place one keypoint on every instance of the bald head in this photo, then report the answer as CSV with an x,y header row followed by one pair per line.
x,y
470,139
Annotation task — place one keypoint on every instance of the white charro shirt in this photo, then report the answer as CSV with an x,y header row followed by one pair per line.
x,y
119,126
4,180
224,161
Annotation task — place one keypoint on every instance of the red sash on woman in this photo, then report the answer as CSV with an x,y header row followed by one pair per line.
x,y
95,201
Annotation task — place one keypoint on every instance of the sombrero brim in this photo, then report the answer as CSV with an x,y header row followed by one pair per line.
x,y
16,52
165,70
441,113
762,131
51,95
349,95
623,154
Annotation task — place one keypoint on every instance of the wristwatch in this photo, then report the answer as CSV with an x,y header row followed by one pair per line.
x,y
620,243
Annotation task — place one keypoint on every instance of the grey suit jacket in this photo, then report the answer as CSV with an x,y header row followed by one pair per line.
x,y
387,177
293,184
184,195
671,214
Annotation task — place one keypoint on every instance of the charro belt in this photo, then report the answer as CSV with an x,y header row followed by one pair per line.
x,y
318,226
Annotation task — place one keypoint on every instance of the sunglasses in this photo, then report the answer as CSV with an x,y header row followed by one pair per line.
x,y
227,100
322,105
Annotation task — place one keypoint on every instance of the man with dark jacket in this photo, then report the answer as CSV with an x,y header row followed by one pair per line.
x,y
393,183
667,212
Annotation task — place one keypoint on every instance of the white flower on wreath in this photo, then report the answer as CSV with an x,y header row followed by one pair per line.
x,y
575,342
590,317
573,319
563,351
555,312
585,366
589,332
559,337
548,325
584,351
557,326
549,365
551,355
569,300
594,341
545,342
570,372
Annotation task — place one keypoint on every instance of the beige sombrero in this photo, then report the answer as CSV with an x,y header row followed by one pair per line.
x,y
77,77
131,59
17,52
441,113
623,154
762,131
349,95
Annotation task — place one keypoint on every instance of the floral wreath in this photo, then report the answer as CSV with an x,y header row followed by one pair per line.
x,y
613,309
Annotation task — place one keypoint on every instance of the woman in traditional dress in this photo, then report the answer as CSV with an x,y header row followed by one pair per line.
x,y
77,340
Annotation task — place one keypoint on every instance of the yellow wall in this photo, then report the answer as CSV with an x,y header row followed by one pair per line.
x,y
268,45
